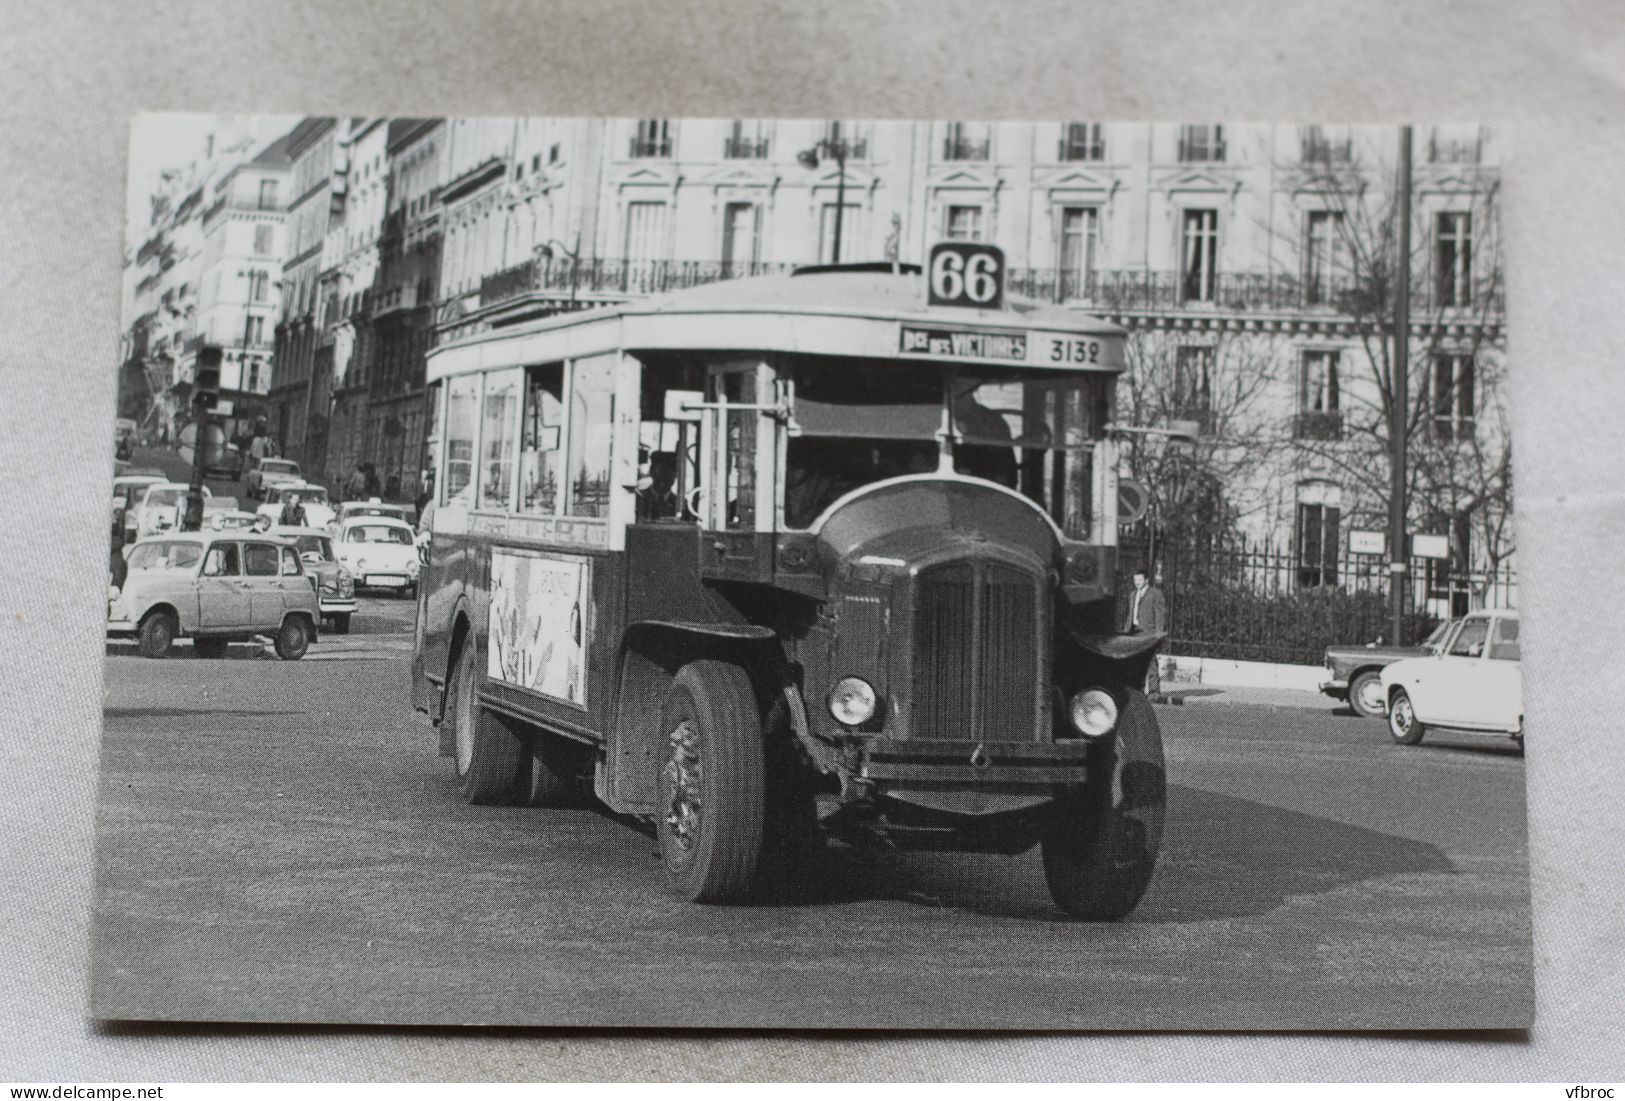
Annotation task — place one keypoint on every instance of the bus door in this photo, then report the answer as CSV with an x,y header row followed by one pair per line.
x,y
741,451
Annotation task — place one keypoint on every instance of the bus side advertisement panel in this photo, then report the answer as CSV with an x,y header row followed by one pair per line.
x,y
540,623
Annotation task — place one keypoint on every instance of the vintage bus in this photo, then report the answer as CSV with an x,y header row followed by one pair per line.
x,y
828,555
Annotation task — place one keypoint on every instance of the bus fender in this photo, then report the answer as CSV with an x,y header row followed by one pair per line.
x,y
652,651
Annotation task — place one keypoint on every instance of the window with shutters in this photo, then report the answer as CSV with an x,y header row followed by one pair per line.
x,y
645,231
1319,415
1201,143
1452,399
652,138
1322,254
263,237
1193,383
1077,248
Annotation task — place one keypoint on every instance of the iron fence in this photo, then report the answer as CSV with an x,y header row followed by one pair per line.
x,y
1266,604
562,275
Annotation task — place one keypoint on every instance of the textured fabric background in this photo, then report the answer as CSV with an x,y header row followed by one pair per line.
x,y
72,73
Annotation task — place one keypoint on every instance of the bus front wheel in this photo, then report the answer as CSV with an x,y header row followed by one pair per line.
x,y
710,810
490,760
1101,846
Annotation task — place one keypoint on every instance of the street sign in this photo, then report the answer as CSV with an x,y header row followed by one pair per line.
x,y
1132,500
1368,542
965,273
1430,546
214,444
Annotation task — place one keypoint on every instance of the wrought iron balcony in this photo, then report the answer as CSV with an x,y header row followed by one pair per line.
x,y
1200,147
744,149
1081,150
966,149
1454,150
560,276
650,147
1314,424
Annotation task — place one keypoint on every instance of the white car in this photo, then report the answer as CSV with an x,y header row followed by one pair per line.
x,y
265,473
127,492
312,498
162,507
373,506
1474,684
380,553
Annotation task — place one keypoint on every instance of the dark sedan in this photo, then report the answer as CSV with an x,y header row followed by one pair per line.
x,y
1354,671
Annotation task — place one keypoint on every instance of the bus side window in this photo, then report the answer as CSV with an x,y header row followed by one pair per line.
x,y
540,458
592,424
668,448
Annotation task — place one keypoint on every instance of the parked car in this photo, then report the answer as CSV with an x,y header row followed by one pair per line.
x,y
1354,672
1474,683
335,587
224,514
128,488
162,507
264,473
380,553
216,588
313,498
230,464
373,506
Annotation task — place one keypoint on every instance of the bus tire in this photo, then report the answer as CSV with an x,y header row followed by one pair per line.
x,y
1100,848
488,758
711,788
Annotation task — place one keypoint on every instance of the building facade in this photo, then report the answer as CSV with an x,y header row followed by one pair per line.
x,y
298,407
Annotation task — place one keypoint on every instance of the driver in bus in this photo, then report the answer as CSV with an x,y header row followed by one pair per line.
x,y
987,448
657,495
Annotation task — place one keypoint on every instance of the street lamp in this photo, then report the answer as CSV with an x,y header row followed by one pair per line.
x,y
546,250
838,149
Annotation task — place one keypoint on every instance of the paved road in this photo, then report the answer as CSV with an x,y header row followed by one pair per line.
x,y
280,841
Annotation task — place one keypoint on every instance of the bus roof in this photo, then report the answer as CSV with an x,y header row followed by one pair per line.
x,y
853,313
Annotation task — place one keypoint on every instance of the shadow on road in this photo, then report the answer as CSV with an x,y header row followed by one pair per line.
x,y
178,712
1222,857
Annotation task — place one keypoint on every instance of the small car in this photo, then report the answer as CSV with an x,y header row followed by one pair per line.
x,y
335,588
264,473
128,487
1353,672
312,498
162,508
1473,684
215,587
380,553
228,465
373,506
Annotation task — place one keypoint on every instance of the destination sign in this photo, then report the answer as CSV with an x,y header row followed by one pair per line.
x,y
960,344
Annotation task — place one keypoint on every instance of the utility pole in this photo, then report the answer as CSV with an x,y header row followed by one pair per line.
x,y
1399,402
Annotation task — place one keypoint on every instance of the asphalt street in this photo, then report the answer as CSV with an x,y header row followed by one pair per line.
x,y
279,841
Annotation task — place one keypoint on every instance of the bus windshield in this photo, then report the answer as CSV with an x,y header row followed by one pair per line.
x,y
862,423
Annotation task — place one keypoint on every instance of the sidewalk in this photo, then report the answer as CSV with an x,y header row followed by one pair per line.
x,y
1210,695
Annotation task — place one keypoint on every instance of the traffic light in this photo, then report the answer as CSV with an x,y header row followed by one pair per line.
x,y
206,383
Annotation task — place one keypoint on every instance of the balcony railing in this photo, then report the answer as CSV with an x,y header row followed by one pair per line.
x,y
966,149
629,278
1200,147
403,297
857,149
650,147
1243,292
1081,150
1314,424
1454,150
744,149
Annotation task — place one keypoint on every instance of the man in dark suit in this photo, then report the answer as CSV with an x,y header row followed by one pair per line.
x,y
1147,614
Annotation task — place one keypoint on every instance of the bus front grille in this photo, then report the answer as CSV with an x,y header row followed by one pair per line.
x,y
977,654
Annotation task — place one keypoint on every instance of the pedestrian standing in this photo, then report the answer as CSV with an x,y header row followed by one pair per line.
x,y
293,513
1148,615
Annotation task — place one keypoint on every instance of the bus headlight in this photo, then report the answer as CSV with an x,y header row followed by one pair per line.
x,y
852,701
1094,712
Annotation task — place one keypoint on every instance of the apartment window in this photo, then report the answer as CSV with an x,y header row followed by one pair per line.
x,y
838,133
267,194
1454,145
1322,254
1317,540
555,153
1453,258
263,237
828,231
1322,147
1193,380
258,282
1199,262
1081,141
1201,143
962,223
1318,415
740,234
1077,248
256,330
965,141
1452,402
645,231
652,139
744,141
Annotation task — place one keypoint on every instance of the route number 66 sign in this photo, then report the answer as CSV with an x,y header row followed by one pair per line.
x,y
963,273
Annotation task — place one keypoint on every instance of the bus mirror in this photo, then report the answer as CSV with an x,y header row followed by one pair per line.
x,y
678,404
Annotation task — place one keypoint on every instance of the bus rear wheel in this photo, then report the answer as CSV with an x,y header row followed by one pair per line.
x,y
710,810
490,760
1101,846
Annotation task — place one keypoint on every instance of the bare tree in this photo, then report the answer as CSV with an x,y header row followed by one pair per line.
x,y
1454,429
